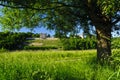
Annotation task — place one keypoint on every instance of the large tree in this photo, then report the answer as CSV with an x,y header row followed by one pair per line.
x,y
66,15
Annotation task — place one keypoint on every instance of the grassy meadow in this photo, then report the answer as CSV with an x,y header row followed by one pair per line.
x,y
45,42
57,65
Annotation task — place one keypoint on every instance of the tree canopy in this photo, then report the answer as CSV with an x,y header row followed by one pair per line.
x,y
56,14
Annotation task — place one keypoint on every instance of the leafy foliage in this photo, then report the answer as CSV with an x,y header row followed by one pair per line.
x,y
78,44
109,7
86,43
116,43
12,41
63,15
23,18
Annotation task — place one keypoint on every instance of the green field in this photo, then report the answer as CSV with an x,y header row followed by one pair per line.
x,y
44,44
56,65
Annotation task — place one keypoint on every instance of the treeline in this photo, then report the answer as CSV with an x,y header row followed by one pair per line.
x,y
13,40
75,43
17,41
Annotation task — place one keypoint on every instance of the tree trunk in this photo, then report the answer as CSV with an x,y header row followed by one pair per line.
x,y
103,42
103,27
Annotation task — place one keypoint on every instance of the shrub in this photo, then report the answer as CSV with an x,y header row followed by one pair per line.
x,y
116,43
12,41
39,47
86,43
78,43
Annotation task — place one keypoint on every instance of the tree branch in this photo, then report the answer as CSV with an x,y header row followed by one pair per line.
x,y
33,8
58,5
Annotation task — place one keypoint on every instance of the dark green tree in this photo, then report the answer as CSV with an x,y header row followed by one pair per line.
x,y
65,16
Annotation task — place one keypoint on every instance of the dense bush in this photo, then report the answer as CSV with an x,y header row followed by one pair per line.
x,y
86,43
78,43
12,41
39,47
116,43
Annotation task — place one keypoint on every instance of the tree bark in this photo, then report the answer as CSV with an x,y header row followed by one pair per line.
x,y
103,42
103,27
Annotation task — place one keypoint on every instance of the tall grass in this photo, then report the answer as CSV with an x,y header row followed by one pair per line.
x,y
54,65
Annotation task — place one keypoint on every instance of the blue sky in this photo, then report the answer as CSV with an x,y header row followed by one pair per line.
x,y
44,30
38,30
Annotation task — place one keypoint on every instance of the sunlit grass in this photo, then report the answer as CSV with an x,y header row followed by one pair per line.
x,y
54,65
47,42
